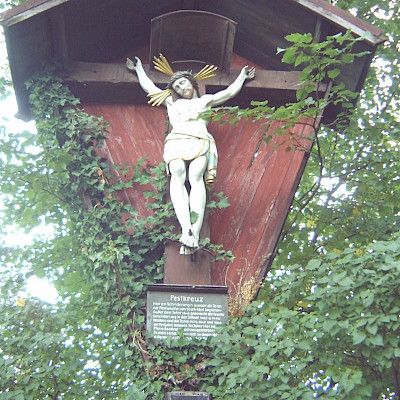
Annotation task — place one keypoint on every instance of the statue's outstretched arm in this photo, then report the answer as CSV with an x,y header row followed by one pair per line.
x,y
145,82
233,89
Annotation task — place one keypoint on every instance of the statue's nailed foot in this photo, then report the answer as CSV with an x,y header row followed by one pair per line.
x,y
188,239
187,251
189,243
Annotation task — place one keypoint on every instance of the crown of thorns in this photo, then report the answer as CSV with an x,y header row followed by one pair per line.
x,y
161,64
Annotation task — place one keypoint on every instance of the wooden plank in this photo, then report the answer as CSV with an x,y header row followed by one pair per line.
x,y
236,165
101,82
27,10
60,47
345,20
188,269
183,269
240,177
304,132
317,31
251,226
135,132
106,30
276,219
86,73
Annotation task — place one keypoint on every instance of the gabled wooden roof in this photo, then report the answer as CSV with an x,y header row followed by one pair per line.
x,y
104,31
326,10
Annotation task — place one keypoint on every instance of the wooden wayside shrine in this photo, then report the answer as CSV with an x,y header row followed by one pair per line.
x,y
259,179
93,38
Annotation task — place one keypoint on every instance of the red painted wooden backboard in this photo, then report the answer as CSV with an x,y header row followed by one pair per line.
x,y
259,179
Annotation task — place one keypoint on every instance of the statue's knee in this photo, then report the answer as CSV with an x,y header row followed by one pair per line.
x,y
196,170
195,178
177,169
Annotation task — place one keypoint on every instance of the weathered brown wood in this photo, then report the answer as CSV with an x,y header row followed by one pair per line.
x,y
57,23
28,46
317,31
188,269
202,36
27,10
102,30
136,132
260,181
345,19
86,73
107,30
101,82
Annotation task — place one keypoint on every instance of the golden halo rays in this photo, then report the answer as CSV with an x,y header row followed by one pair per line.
x,y
158,98
206,72
161,64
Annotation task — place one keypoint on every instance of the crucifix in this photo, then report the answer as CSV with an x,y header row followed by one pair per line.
x,y
189,149
188,146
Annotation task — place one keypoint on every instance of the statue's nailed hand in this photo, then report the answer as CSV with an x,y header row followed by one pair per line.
x,y
133,65
249,73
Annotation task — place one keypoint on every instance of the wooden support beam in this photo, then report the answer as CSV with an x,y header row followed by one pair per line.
x,y
94,82
86,73
57,26
317,31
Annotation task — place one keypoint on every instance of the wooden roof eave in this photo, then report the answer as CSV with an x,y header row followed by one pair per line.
x,y
27,10
373,35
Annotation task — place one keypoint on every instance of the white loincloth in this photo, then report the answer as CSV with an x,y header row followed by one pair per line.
x,y
179,146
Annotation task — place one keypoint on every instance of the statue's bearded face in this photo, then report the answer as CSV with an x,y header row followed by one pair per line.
x,y
184,88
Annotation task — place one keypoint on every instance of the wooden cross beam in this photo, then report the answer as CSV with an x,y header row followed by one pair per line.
x,y
114,83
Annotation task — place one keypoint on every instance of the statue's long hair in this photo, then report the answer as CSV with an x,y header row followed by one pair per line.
x,y
182,74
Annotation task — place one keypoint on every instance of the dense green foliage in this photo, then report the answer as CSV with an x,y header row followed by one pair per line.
x,y
327,320
342,329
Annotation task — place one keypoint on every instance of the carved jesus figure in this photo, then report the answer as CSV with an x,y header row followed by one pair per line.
x,y
189,151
